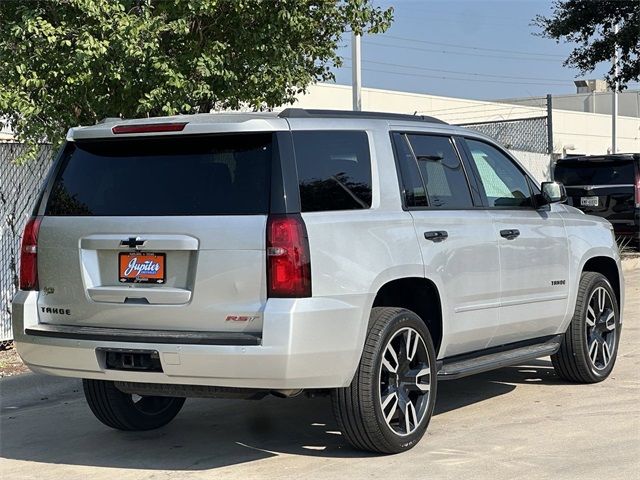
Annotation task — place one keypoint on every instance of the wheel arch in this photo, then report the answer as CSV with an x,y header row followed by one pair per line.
x,y
418,294
608,267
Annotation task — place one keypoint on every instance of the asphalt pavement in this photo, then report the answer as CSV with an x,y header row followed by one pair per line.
x,y
518,422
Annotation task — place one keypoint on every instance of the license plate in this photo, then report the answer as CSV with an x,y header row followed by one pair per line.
x,y
589,201
141,267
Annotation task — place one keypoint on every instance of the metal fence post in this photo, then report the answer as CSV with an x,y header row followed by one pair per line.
x,y
549,124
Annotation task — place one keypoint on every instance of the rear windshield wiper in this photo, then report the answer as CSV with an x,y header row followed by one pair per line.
x,y
434,158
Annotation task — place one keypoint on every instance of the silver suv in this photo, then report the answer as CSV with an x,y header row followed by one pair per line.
x,y
365,255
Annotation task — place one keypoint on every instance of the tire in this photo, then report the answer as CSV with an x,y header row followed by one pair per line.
x,y
589,347
361,412
121,411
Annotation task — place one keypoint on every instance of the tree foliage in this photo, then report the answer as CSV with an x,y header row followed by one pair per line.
x,y
74,62
590,24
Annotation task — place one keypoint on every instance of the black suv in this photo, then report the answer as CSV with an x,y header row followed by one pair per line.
x,y
607,186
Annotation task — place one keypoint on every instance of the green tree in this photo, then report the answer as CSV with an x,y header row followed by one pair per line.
x,y
590,25
74,62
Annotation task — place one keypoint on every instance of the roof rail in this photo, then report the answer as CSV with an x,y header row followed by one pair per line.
x,y
315,113
603,156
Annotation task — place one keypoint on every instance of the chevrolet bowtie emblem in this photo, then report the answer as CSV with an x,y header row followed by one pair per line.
x,y
132,242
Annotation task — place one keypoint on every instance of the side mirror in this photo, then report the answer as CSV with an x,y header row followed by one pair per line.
x,y
553,192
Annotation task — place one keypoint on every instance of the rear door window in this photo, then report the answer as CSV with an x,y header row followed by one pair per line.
x,y
413,189
594,173
334,170
442,171
185,175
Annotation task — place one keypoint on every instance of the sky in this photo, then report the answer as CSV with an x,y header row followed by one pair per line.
x,y
465,48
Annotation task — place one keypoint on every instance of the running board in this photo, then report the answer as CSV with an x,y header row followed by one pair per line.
x,y
465,365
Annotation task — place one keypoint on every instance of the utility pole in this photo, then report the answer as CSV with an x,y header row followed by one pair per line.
x,y
356,72
616,87
549,124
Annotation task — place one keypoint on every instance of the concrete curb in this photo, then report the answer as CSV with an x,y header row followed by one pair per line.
x,y
631,263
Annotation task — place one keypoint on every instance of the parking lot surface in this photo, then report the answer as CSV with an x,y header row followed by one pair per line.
x,y
511,423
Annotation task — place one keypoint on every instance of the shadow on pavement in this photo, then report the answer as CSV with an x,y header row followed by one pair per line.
x,y
213,433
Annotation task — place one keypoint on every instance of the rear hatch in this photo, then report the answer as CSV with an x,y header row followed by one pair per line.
x,y
159,233
602,186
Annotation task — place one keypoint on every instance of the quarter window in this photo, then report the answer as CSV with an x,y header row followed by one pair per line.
x,y
412,185
505,185
334,170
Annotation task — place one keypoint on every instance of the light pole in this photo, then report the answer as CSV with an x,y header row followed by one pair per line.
x,y
614,106
356,72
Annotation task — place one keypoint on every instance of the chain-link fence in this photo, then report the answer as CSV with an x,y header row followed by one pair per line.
x,y
521,134
19,186
529,139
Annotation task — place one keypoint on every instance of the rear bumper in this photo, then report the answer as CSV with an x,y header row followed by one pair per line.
x,y
306,343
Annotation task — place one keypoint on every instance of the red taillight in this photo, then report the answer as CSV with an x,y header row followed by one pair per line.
x,y
29,255
288,259
149,128
638,187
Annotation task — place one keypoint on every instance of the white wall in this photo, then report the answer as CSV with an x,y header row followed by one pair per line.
x,y
6,135
596,102
449,109
538,164
588,133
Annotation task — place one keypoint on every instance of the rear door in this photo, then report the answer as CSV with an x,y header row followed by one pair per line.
x,y
604,187
534,252
459,248
158,233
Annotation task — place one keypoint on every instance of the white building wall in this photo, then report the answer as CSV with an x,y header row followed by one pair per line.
x,y
6,135
538,164
449,109
590,133
594,102
586,133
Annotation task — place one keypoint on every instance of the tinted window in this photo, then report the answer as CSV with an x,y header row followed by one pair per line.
x,y
594,173
442,171
213,175
334,170
505,185
412,185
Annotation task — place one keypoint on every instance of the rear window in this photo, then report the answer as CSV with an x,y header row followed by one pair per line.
x,y
208,175
334,170
594,173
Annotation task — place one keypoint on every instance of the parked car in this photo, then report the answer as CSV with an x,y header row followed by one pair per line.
x,y
365,255
607,186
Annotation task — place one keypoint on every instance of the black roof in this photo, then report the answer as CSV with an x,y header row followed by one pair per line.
x,y
602,158
314,113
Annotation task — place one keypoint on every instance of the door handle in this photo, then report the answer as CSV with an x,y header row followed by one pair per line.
x,y
436,235
510,234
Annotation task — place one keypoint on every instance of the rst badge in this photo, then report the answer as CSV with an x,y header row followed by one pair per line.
x,y
241,318
141,267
